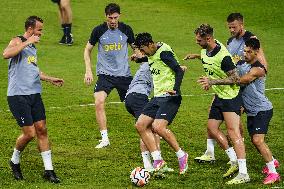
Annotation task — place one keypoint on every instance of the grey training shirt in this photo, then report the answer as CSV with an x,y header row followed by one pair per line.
x,y
23,72
112,58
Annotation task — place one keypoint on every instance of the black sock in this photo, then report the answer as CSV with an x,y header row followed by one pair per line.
x,y
66,29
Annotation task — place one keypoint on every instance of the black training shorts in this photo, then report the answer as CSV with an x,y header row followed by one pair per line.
x,y
27,109
107,83
163,107
259,124
135,102
220,105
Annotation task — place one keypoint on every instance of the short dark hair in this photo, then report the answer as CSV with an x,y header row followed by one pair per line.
x,y
143,39
204,30
31,21
253,43
112,8
235,16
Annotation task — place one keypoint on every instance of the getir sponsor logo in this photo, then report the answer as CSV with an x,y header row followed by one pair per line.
x,y
31,59
113,47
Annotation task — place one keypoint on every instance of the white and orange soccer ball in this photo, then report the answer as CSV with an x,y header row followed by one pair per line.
x,y
139,176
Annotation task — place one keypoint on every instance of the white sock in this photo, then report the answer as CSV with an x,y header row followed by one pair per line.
x,y
231,154
156,155
16,156
146,156
46,157
210,147
271,167
242,166
180,153
104,134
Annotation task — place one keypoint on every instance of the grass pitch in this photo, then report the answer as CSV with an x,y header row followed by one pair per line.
x,y
72,128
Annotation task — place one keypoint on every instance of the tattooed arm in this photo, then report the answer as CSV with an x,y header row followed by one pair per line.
x,y
229,68
232,78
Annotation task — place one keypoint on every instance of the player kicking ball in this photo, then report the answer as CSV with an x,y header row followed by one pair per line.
x,y
135,100
167,76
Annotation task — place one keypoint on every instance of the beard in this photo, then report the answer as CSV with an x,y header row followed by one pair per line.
x,y
236,34
112,26
204,46
247,59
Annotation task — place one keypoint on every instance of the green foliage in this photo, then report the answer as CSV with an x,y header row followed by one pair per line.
x,y
72,128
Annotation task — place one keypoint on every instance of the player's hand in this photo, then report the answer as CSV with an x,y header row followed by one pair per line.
x,y
33,39
192,56
88,78
133,57
184,68
56,81
204,82
136,55
171,92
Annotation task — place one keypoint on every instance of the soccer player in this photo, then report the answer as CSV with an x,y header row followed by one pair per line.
x,y
217,63
235,46
24,96
258,108
239,36
160,111
135,100
65,14
112,63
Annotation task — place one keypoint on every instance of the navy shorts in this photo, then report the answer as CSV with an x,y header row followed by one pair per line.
x,y
220,105
107,83
163,108
27,109
135,102
259,124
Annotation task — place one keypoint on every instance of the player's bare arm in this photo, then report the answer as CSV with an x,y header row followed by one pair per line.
x,y
233,77
253,74
88,79
261,58
16,46
53,80
192,56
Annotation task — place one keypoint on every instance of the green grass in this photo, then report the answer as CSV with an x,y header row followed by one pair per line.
x,y
73,130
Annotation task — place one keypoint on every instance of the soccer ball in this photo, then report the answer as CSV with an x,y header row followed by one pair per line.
x,y
139,176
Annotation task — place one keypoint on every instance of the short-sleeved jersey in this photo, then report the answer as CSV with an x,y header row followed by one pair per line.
x,y
163,76
112,58
142,82
213,64
253,94
236,46
23,72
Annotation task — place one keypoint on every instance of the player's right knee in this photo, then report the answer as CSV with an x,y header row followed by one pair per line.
x,y
29,136
99,104
157,129
140,126
257,141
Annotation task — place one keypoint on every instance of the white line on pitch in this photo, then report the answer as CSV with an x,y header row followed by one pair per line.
x,y
186,95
